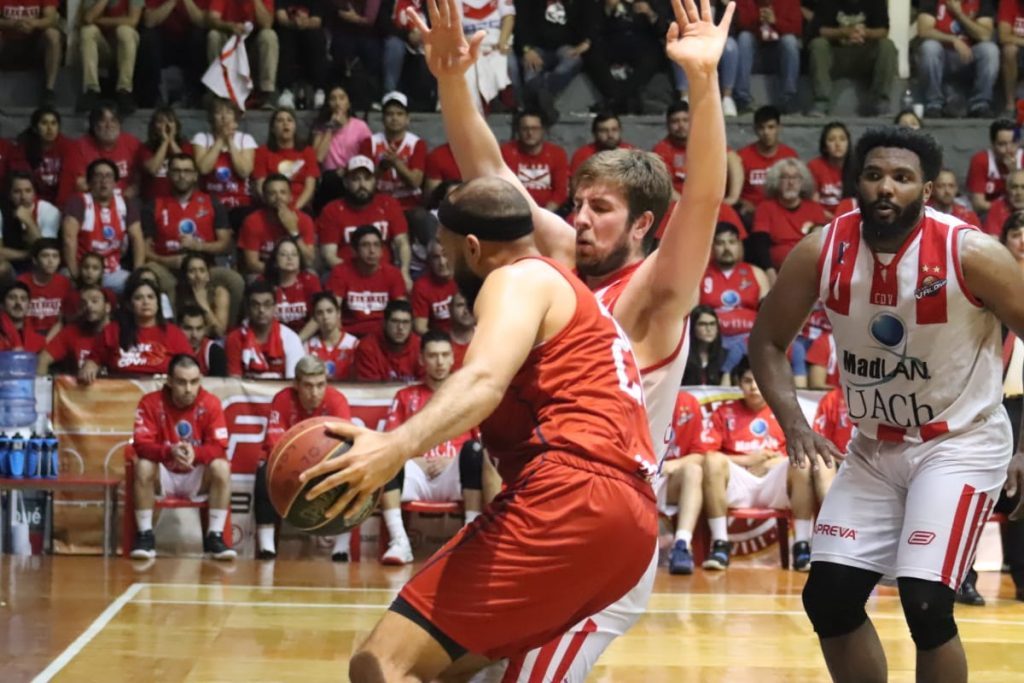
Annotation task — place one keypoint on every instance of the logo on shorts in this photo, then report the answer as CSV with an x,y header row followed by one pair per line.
x,y
759,427
730,298
836,530
183,429
187,227
920,537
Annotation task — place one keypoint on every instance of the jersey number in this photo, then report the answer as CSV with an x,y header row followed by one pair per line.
x,y
625,368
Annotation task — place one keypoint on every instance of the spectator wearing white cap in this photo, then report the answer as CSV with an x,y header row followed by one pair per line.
x,y
400,156
361,205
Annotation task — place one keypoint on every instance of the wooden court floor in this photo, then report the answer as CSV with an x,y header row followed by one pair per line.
x,y
108,620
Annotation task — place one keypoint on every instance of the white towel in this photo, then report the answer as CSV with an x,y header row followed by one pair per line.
x,y
229,76
489,76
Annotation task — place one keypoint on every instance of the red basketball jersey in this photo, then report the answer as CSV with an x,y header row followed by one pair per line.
x,y
734,294
337,358
173,220
742,431
567,398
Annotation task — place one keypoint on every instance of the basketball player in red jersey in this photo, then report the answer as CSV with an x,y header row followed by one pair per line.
x,y
620,198
915,298
561,409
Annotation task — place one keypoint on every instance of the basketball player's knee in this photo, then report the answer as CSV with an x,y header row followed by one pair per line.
x,y
145,472
693,472
397,482
716,466
834,598
220,470
928,608
365,667
471,466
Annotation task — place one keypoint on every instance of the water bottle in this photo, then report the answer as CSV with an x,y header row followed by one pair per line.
x,y
52,466
5,446
16,457
34,457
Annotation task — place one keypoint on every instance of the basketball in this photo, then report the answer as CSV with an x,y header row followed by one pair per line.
x,y
302,447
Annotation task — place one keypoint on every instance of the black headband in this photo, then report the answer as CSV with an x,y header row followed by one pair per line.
x,y
485,228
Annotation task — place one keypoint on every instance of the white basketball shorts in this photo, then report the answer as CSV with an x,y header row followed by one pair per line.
x,y
444,488
182,484
747,490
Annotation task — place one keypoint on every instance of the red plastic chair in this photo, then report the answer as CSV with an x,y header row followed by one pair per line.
x,y
415,507
128,527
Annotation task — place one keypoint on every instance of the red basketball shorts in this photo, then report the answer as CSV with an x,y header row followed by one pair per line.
x,y
568,538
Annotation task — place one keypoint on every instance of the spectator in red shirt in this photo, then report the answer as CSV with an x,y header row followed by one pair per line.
x,y
441,168
463,327
262,348
768,37
75,342
308,397
225,18
303,42
104,223
392,354
331,344
750,469
606,129
956,42
400,156
294,287
105,140
541,166
832,419
365,285
24,220
433,476
140,341
190,221
16,331
181,441
213,361
264,228
29,29
164,141
108,32
47,288
43,151
759,156
173,33
1010,203
829,168
944,198
1010,28
680,485
288,154
337,135
672,149
986,175
822,367
787,214
196,288
225,158
364,205
432,294
90,274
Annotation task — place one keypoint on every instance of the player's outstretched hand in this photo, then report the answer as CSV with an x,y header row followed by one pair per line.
x,y
1015,483
693,41
372,461
802,445
447,51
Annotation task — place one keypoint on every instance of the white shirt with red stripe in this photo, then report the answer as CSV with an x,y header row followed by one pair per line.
x,y
919,356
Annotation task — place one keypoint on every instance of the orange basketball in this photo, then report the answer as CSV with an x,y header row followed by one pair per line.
x,y
302,447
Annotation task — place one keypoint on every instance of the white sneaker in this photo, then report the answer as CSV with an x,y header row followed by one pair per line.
x,y
286,99
729,107
399,552
319,97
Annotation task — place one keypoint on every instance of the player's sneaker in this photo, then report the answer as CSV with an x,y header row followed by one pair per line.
x,y
144,547
214,546
680,561
262,554
969,595
719,556
399,552
802,556
339,557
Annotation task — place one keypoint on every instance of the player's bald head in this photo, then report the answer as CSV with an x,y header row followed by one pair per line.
x,y
491,209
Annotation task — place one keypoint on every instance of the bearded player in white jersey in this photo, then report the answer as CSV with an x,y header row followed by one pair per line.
x,y
620,198
915,298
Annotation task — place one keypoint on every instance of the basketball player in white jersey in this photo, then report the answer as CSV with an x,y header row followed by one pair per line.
x,y
915,298
620,197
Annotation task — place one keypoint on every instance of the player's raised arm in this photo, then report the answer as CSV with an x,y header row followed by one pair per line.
x,y
674,271
449,55
511,310
782,314
995,277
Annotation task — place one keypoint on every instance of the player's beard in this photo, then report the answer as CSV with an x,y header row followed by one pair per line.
x,y
614,260
468,282
902,222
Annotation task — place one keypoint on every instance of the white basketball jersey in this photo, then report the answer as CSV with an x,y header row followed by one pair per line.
x,y
660,381
918,355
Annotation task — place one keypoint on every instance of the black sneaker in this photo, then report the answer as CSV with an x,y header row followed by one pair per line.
x,y
719,556
144,547
214,546
969,595
802,556
265,554
339,557
125,103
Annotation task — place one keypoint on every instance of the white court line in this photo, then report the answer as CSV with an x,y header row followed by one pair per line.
x,y
94,628
229,586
